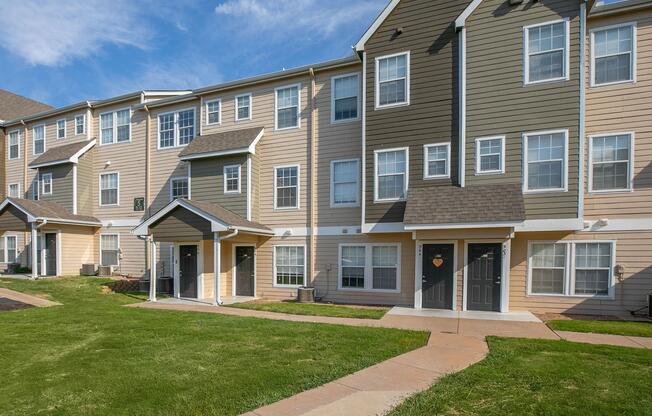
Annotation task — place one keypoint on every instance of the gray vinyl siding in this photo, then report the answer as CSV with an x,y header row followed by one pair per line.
x,y
61,185
12,219
181,225
429,35
207,182
499,104
255,186
85,184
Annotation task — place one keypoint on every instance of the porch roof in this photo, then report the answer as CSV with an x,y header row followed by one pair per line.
x,y
45,211
224,143
69,153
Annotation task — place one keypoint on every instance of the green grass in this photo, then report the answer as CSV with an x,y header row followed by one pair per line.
x,y
91,356
629,328
539,377
318,309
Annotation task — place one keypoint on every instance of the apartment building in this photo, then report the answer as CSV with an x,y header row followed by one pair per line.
x,y
470,155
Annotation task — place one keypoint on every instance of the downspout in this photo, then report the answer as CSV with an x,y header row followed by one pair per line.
x,y
312,164
582,121
462,106
148,247
22,122
217,269
363,196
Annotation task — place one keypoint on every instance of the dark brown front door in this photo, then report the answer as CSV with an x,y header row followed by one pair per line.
x,y
244,271
484,269
438,270
50,254
188,271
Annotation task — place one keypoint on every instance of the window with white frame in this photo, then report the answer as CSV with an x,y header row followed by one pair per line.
x,y
289,265
353,260
611,162
287,107
213,112
109,189
178,188
490,155
110,249
573,268
385,267
437,160
14,145
546,161
391,174
231,179
243,107
115,126
369,266
286,187
393,80
613,54
46,184
61,129
546,52
11,246
176,129
345,100
80,124
38,139
345,183
13,190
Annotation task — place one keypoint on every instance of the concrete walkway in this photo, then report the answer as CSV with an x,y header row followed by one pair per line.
x,y
26,299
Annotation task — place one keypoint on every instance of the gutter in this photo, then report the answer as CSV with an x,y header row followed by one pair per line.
x,y
462,106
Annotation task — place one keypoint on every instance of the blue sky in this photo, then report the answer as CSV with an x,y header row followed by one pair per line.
x,y
65,51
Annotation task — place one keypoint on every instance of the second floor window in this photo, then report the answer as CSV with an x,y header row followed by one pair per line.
x,y
393,80
13,190
213,112
611,163
115,127
232,179
287,107
14,145
546,161
176,129
46,184
109,189
38,139
345,100
179,188
437,161
243,107
345,185
286,187
80,124
61,129
613,55
490,155
391,174
546,52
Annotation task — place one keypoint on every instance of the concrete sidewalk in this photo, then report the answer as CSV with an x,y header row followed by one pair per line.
x,y
27,299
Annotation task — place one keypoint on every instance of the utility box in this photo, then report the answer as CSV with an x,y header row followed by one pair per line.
x,y
306,295
89,269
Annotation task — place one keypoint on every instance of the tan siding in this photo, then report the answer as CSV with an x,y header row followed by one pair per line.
x,y
132,262
4,143
78,247
62,184
208,183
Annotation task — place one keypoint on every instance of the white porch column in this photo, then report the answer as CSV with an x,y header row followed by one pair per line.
x,y
152,270
34,251
216,269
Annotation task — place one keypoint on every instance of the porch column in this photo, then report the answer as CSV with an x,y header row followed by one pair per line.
x,y
152,270
34,251
216,269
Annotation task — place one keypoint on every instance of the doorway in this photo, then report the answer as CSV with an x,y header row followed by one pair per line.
x,y
244,271
188,271
438,276
484,277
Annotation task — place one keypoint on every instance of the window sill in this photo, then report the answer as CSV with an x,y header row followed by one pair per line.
x,y
434,178
551,295
607,84
352,289
386,106
287,286
115,143
545,81
287,128
544,191
345,121
610,191
109,205
335,206
388,201
489,173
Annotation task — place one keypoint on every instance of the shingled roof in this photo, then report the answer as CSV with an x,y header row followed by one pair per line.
x,y
224,143
50,211
14,106
68,153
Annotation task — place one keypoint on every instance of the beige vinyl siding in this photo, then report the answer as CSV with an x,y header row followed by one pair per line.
x,y
62,185
208,183
133,251
226,264
85,183
78,247
624,108
265,267
499,104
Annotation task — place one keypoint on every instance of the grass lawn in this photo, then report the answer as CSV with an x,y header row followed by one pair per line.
x,y
540,377
319,309
92,356
635,329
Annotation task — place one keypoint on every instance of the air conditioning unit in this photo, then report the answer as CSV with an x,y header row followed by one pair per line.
x,y
89,269
105,271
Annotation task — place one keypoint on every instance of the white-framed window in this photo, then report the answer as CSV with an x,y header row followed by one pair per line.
x,y
80,124
391,174
14,145
176,128
490,155
375,267
110,249
109,189
286,187
289,266
61,129
437,161
3,252
243,107
115,126
288,104
345,98
214,111
571,268
392,80
232,179
10,250
38,139
547,52
613,54
345,183
46,184
178,188
546,161
611,158
13,190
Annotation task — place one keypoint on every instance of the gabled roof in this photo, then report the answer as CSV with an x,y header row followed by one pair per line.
x,y
600,8
14,105
359,46
461,19
224,143
69,153
49,211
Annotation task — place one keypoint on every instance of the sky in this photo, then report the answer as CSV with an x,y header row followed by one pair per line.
x,y
65,51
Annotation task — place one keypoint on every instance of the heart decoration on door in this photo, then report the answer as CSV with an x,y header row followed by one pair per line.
x,y
437,261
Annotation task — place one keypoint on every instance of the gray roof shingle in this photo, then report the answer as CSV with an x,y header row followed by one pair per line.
x,y
14,106
229,141
59,154
51,211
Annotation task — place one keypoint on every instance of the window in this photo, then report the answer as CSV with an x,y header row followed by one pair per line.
x,y
289,266
176,129
109,189
345,101
178,188
611,162
345,183
437,161
38,139
287,107
286,187
546,52
46,184
213,115
110,249
393,80
14,190
232,179
574,268
369,267
490,155
80,124
35,188
243,107
391,174
115,127
14,145
546,156
12,249
613,55
61,129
